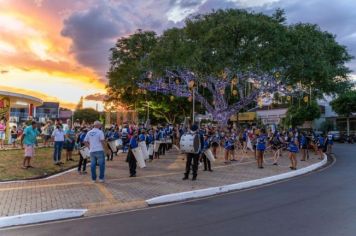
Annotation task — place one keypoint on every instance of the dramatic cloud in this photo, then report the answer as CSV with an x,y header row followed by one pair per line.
x,y
95,30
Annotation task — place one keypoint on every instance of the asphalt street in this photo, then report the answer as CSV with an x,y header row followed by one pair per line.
x,y
321,203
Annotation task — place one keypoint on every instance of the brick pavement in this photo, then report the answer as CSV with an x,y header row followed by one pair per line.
x,y
119,193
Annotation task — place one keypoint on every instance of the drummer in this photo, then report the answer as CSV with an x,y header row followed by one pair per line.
x,y
133,143
150,141
142,136
207,163
82,165
215,140
109,136
156,143
193,157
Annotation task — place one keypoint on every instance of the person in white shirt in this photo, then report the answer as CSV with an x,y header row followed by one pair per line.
x,y
58,136
95,140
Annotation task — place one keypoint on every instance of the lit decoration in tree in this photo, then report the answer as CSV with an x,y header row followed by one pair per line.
x,y
210,90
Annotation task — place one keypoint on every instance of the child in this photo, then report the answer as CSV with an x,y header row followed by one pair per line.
x,y
13,136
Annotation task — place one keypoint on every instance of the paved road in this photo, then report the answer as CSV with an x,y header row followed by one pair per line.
x,y
322,203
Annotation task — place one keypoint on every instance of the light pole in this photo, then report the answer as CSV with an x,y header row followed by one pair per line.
x,y
193,104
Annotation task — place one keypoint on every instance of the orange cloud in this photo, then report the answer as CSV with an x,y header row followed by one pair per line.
x,y
37,59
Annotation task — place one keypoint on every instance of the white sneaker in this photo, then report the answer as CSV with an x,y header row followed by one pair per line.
x,y
93,181
101,181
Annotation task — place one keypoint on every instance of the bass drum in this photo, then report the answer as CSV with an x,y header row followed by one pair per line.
x,y
190,143
143,147
209,154
118,143
139,157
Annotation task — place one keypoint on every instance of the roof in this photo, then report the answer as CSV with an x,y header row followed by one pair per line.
x,y
21,100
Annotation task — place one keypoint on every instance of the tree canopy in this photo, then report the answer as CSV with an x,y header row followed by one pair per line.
x,y
87,115
345,104
232,39
298,114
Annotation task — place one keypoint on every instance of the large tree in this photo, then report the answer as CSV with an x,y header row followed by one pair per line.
x,y
242,42
345,105
128,62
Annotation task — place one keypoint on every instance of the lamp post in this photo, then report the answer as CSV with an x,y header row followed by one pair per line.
x,y
193,100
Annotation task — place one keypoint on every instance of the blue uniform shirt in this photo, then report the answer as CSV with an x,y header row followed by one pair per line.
x,y
141,137
133,143
261,142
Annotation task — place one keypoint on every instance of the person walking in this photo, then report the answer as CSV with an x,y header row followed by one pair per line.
x,y
58,136
95,140
28,141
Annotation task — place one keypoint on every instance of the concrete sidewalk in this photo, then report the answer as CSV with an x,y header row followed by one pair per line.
x,y
119,193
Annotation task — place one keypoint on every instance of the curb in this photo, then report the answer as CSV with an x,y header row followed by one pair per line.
x,y
39,217
175,197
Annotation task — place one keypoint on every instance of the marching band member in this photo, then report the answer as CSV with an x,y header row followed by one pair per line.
x,y
304,143
276,144
133,143
321,145
229,148
261,147
293,149
193,157
330,143
162,139
215,140
150,141
82,165
206,145
109,136
156,143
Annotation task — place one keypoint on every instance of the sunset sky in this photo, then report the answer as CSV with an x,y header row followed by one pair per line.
x,y
58,49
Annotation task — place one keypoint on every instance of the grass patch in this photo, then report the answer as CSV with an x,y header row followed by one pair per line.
x,y
11,163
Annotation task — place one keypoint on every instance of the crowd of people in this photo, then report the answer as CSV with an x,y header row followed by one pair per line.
x,y
103,144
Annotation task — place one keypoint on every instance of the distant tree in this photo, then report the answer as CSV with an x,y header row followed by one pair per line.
x,y
87,114
298,114
345,105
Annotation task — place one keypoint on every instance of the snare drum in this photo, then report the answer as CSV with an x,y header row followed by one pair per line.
x,y
208,153
118,143
190,143
84,151
113,147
